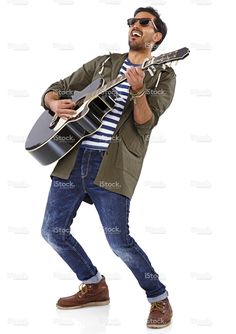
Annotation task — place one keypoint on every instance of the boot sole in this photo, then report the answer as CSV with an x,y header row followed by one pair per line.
x,y
159,326
105,302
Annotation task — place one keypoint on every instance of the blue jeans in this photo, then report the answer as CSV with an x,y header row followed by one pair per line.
x,y
64,199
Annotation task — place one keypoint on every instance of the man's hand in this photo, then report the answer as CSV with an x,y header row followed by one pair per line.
x,y
142,112
62,108
135,77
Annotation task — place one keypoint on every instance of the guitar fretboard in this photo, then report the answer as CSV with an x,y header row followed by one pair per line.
x,y
106,87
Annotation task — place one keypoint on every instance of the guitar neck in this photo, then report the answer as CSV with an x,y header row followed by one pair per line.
x,y
106,87
111,84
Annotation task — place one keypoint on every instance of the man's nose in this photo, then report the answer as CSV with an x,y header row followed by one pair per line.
x,y
136,25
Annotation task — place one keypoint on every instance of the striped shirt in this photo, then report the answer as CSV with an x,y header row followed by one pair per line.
x,y
101,138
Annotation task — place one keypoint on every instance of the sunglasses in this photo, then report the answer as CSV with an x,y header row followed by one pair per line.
x,y
143,22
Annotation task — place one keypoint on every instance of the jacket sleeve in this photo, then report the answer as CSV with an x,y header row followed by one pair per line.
x,y
78,80
159,99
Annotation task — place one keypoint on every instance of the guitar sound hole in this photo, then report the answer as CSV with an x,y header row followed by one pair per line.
x,y
79,103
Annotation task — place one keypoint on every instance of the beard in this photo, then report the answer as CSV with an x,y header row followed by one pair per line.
x,y
137,45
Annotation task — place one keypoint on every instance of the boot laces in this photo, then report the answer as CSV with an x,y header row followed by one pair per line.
x,y
160,306
82,289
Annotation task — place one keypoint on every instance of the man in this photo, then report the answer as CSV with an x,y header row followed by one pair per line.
x,y
104,168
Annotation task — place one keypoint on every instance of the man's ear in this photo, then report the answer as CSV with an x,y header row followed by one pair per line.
x,y
157,36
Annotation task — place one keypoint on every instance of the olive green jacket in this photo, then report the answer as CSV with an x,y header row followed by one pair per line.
x,y
122,163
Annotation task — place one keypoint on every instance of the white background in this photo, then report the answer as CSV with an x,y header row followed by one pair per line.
x,y
182,213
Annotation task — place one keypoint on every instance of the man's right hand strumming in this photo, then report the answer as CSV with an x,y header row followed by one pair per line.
x,y
62,108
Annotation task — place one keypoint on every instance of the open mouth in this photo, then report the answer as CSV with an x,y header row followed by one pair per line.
x,y
136,33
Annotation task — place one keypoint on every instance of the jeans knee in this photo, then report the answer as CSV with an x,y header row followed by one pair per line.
x,y
126,254
56,236
49,236
119,249
123,248
120,242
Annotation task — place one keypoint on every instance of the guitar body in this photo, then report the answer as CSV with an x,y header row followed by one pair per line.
x,y
48,144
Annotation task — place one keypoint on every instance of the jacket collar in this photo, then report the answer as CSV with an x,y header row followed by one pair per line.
x,y
117,60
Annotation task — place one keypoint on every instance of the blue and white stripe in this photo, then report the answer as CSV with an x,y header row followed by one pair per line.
x,y
101,139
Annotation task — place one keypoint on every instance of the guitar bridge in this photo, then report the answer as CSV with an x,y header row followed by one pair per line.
x,y
54,121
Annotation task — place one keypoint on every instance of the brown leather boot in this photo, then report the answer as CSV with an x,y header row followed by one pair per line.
x,y
88,295
160,314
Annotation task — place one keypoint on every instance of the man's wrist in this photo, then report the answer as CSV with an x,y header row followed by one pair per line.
x,y
139,93
49,97
136,91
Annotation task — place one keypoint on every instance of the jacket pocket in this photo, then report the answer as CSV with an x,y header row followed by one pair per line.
x,y
132,139
128,161
131,151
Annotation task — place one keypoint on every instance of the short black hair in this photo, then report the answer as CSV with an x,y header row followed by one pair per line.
x,y
161,26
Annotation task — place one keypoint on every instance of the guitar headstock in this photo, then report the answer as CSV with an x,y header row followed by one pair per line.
x,y
166,58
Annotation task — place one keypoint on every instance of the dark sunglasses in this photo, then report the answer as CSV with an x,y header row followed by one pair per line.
x,y
143,22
